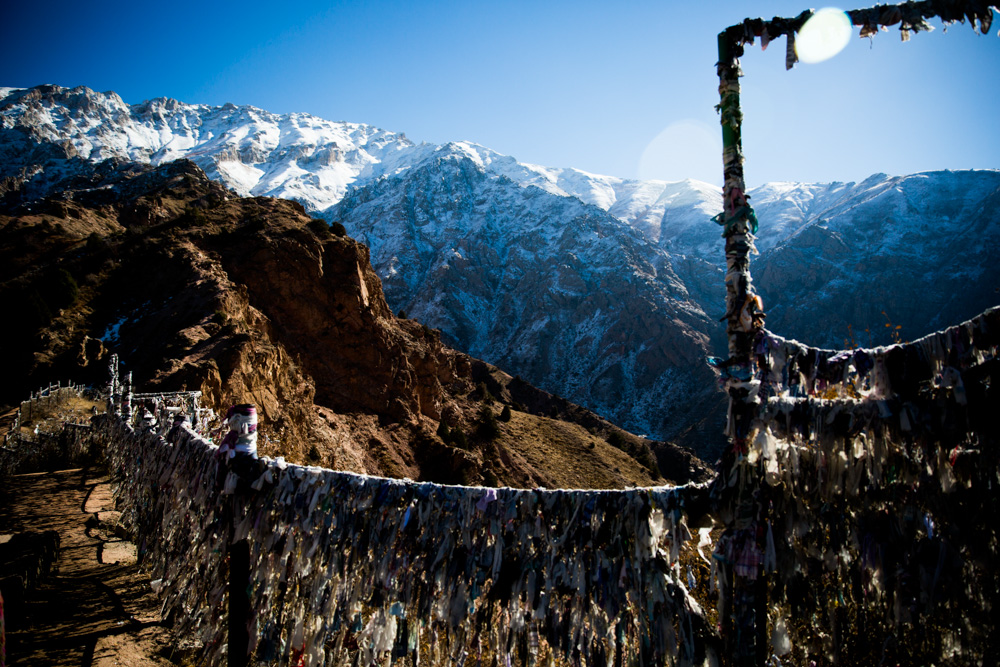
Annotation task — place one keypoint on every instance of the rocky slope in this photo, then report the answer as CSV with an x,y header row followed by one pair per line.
x,y
249,299
512,267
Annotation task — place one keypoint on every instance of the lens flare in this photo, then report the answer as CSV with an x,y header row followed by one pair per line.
x,y
823,36
688,148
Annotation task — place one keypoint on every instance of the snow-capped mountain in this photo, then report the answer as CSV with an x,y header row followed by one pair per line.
x,y
299,156
546,286
921,248
602,289
294,156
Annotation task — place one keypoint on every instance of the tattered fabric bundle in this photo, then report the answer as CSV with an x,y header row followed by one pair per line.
x,y
857,498
860,496
352,569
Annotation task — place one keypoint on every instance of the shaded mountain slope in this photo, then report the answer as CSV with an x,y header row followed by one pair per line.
x,y
913,252
547,287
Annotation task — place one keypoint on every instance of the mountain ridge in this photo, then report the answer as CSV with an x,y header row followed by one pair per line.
x,y
248,299
486,248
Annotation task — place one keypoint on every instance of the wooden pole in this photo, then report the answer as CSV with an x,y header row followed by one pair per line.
x,y
239,595
245,435
744,608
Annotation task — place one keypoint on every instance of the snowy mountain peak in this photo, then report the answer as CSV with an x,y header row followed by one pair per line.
x,y
298,155
253,151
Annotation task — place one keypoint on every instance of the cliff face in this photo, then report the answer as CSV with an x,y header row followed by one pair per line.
x,y
324,300
249,300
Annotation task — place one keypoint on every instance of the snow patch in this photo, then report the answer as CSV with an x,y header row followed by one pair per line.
x,y
110,335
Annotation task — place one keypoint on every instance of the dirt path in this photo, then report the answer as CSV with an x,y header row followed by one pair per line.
x,y
95,608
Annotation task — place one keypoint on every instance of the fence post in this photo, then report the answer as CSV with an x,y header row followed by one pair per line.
x,y
127,398
239,594
113,385
242,441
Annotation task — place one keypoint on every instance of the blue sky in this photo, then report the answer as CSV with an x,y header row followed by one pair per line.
x,y
591,85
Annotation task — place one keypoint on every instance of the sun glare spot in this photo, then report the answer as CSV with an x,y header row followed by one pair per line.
x,y
687,148
823,36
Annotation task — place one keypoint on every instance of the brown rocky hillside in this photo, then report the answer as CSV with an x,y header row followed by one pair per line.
x,y
249,300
